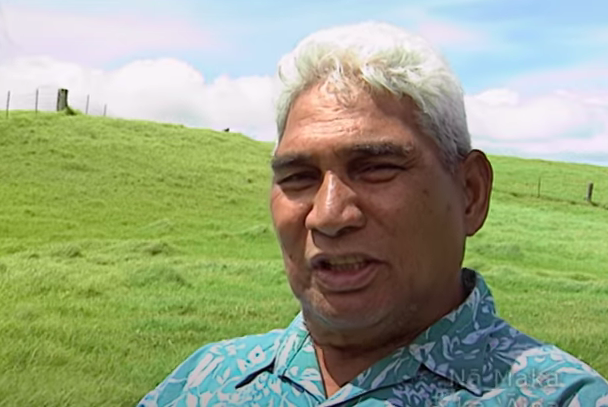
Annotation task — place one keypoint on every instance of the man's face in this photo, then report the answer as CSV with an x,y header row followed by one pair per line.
x,y
371,224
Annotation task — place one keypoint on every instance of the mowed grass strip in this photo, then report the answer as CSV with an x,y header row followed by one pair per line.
x,y
125,246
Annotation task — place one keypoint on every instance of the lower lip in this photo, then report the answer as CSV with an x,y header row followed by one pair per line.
x,y
343,281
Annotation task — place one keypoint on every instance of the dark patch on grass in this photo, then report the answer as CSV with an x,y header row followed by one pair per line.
x,y
252,232
90,292
70,111
102,261
159,248
76,166
70,251
15,248
94,203
3,268
157,275
187,309
580,277
181,308
233,200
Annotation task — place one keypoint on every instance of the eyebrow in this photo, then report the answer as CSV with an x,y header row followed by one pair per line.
x,y
381,149
290,160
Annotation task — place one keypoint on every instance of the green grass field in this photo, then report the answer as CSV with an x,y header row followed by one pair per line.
x,y
125,246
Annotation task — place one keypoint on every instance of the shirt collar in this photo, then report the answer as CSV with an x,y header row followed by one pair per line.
x,y
286,348
453,347
296,359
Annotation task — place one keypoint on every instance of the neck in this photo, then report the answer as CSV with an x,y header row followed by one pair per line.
x,y
340,363
341,358
343,355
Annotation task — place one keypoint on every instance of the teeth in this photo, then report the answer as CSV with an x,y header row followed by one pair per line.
x,y
349,261
348,266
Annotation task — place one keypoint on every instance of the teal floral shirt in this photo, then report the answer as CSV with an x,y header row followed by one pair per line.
x,y
470,357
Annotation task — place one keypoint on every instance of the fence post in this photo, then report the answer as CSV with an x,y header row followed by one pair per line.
x,y
105,110
62,99
8,102
589,192
37,94
86,110
538,188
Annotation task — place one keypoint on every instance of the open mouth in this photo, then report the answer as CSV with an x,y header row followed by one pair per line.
x,y
344,273
349,263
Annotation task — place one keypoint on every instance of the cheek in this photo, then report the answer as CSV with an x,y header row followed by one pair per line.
x,y
288,219
410,222
403,213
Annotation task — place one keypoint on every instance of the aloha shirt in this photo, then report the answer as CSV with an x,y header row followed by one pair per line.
x,y
470,357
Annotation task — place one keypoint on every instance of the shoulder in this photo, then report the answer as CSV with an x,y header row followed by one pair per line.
x,y
529,368
554,374
214,364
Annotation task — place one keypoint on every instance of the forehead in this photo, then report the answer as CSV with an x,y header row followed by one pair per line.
x,y
322,121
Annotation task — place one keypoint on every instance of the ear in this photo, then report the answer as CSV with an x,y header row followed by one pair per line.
x,y
478,176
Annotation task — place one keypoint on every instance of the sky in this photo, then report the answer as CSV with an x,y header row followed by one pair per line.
x,y
535,72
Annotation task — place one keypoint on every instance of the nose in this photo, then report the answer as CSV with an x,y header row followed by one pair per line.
x,y
334,210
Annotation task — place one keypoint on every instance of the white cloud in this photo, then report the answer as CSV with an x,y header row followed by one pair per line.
x,y
590,77
595,145
92,39
560,124
503,121
165,90
557,113
498,97
541,118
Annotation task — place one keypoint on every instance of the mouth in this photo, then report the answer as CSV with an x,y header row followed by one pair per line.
x,y
344,273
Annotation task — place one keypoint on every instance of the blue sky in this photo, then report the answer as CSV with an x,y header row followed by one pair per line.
x,y
538,69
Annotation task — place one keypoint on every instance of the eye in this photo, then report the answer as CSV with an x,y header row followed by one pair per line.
x,y
298,180
380,167
379,172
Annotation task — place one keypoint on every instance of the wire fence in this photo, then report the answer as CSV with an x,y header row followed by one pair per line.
x,y
87,104
575,189
49,100
550,180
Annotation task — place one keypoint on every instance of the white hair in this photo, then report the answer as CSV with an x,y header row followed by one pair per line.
x,y
380,57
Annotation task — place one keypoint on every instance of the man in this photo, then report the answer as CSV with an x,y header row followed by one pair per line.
x,y
374,192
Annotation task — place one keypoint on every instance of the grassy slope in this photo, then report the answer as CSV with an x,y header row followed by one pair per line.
x,y
124,246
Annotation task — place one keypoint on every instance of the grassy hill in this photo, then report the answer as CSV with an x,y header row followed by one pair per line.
x,y
125,246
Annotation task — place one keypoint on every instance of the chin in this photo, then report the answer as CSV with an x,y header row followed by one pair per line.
x,y
342,316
